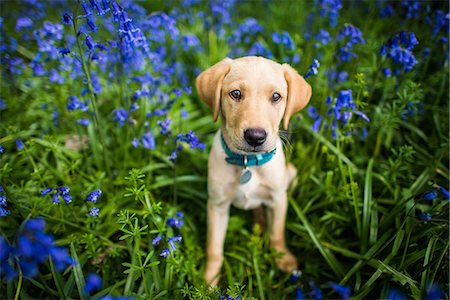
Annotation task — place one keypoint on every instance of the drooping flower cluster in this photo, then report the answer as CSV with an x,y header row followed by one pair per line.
x,y
431,197
60,192
244,36
3,211
32,248
399,50
313,69
189,138
340,112
330,9
93,197
351,36
175,222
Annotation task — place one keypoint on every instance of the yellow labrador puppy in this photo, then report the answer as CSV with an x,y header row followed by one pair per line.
x,y
247,166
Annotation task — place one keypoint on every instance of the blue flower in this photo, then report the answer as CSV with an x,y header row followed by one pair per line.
x,y
121,116
444,193
84,122
93,196
343,291
315,293
93,283
295,276
298,294
157,240
398,50
434,292
412,8
148,141
174,222
74,104
2,150
323,37
94,211
353,36
313,68
173,240
19,144
425,217
164,126
165,252
430,195
329,9
66,19
135,142
23,22
283,39
46,191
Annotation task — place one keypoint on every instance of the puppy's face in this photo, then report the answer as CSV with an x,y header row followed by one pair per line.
x,y
253,95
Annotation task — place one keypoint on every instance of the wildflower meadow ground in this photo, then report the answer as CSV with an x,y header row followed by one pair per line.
x,y
104,146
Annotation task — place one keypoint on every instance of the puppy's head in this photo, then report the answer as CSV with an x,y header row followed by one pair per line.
x,y
252,95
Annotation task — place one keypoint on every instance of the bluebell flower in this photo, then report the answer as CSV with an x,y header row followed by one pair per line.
x,y
313,69
387,11
298,294
3,204
19,144
165,126
93,196
430,195
425,217
23,22
165,252
91,24
93,283
329,9
46,191
55,199
295,276
84,122
184,114
191,138
439,21
66,19
2,149
174,222
135,142
399,50
179,214
148,141
74,104
316,292
2,104
444,192
412,8
387,72
342,290
190,41
351,35
90,42
34,247
244,36
157,239
434,292
121,116
283,39
323,37
94,211
173,240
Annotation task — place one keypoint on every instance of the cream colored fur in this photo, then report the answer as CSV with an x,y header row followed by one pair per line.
x,y
257,79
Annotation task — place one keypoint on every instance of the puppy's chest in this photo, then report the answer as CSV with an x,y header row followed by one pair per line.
x,y
252,194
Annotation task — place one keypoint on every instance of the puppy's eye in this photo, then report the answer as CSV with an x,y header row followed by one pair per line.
x,y
276,97
236,94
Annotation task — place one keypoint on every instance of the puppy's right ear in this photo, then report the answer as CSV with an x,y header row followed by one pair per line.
x,y
209,84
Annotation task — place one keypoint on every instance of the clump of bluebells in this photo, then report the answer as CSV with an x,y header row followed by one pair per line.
x,y
316,292
32,248
398,49
59,192
340,111
3,205
173,222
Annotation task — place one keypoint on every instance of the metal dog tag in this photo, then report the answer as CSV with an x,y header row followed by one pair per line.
x,y
246,174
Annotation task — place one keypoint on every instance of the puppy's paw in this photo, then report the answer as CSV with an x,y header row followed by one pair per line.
x,y
287,263
212,272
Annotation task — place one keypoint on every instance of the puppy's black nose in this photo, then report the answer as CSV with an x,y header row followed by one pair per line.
x,y
255,136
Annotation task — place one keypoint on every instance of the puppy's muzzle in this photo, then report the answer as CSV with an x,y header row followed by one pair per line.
x,y
255,136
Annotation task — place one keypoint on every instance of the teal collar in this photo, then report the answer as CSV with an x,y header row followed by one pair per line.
x,y
246,160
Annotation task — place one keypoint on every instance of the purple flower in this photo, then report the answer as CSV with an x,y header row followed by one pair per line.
x,y
83,122
93,283
23,22
425,217
93,196
19,144
135,143
121,116
173,240
164,126
174,222
148,141
74,104
2,150
66,19
313,68
329,9
157,240
90,42
94,211
165,252
342,290
398,50
46,191
430,195
444,193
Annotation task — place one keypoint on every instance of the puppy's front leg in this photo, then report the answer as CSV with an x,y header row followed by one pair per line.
x,y
287,262
217,228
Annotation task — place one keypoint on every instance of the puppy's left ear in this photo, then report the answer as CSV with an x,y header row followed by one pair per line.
x,y
299,93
